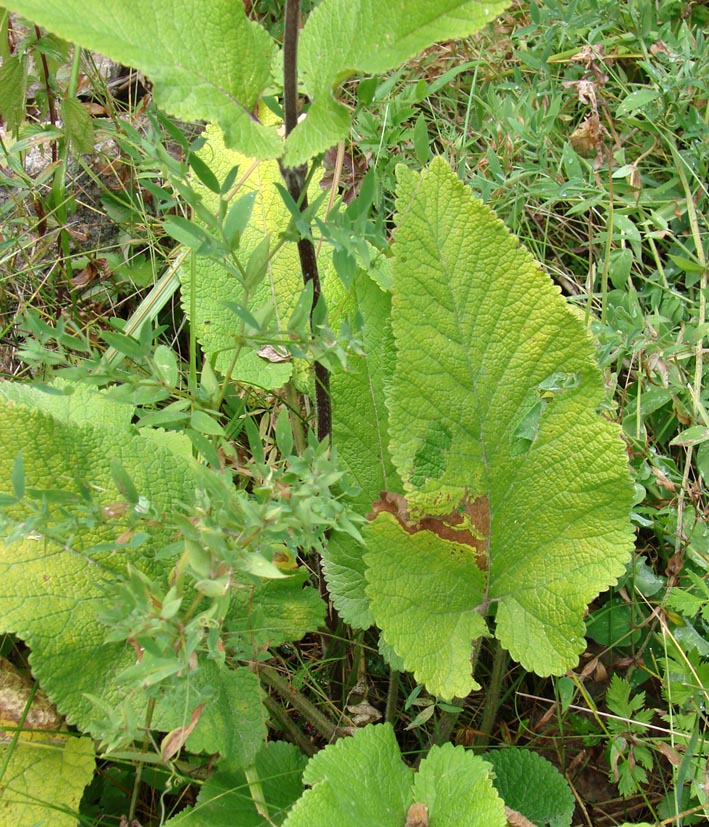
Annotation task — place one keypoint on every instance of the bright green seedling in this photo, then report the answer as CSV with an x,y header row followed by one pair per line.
x,y
477,521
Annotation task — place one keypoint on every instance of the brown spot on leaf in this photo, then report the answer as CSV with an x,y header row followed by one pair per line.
x,y
468,524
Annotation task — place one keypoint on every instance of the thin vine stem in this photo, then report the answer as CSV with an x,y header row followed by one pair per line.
x,y
308,710
295,179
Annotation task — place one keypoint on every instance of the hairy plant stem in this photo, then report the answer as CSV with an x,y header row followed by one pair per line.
x,y
311,713
295,178
282,720
139,769
392,705
492,699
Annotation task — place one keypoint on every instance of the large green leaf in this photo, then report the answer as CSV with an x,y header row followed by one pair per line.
x,y
344,37
43,769
208,61
233,721
457,788
44,780
275,611
362,780
496,436
532,786
215,324
430,598
51,592
205,58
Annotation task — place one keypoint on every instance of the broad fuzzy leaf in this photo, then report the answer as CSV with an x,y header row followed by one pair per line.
x,y
232,723
457,787
13,84
213,286
206,59
71,404
424,599
44,781
344,37
50,593
495,433
357,780
275,611
362,780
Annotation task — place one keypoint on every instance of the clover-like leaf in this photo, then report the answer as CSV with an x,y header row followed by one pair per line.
x,y
206,59
344,37
496,436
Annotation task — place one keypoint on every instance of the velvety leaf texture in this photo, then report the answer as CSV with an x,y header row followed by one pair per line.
x,y
362,780
44,781
50,593
357,780
495,433
456,786
232,723
205,58
423,590
274,611
214,286
343,37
